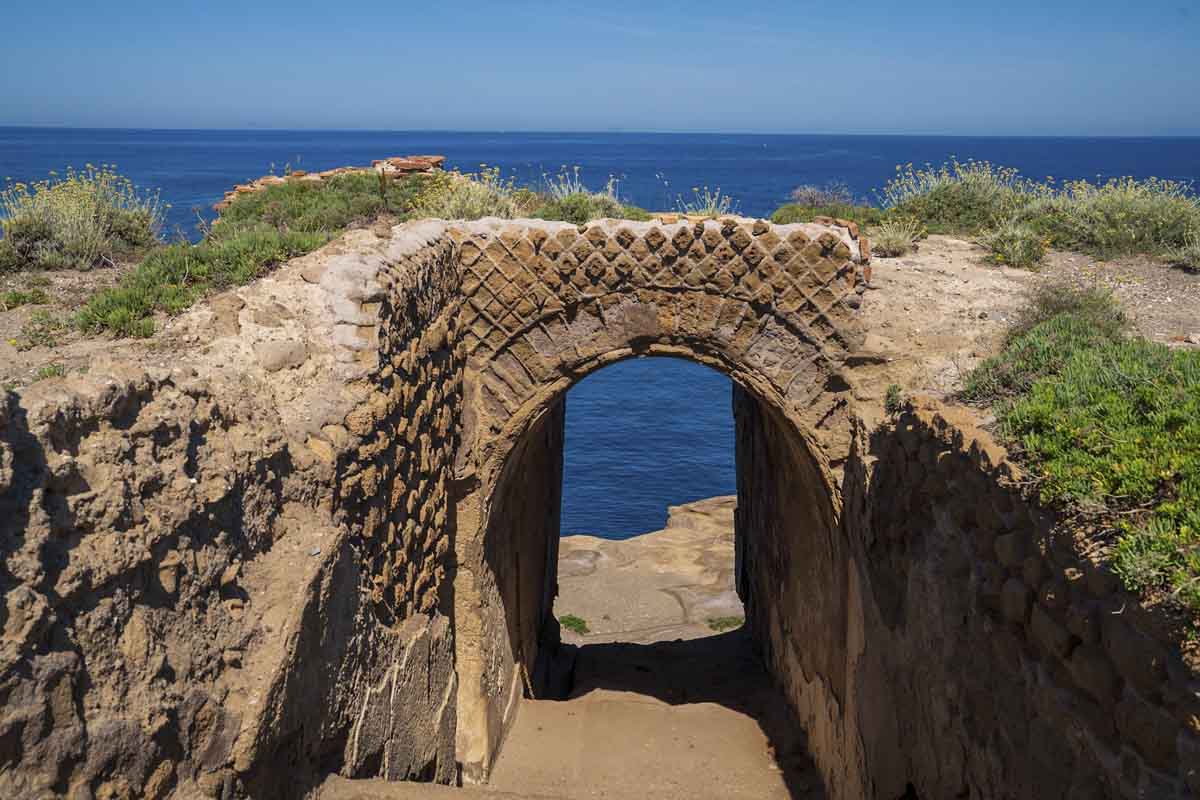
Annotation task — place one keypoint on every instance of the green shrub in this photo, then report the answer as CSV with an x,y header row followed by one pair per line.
x,y
581,208
1043,351
328,206
959,197
14,298
172,278
834,193
1120,216
258,231
893,400
454,195
50,371
1093,305
896,236
42,329
1186,255
76,221
573,623
720,624
706,202
1111,425
1117,429
795,212
1014,244
565,197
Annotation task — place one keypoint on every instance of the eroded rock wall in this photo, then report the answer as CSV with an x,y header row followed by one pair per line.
x,y
1009,663
225,580
327,545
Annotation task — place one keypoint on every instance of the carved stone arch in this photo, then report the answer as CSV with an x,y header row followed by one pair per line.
x,y
545,304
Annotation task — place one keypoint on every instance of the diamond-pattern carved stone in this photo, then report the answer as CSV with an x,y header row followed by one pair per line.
x,y
516,277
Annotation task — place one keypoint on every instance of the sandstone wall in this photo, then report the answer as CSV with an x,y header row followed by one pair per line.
x,y
995,658
792,577
946,633
507,581
221,581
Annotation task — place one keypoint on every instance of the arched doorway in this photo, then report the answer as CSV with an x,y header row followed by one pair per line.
x,y
769,307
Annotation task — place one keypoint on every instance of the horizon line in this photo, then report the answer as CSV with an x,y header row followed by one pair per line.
x,y
611,131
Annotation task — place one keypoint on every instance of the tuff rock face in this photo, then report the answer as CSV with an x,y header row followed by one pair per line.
x,y
313,530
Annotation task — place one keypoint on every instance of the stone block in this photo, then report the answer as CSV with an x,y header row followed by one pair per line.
x,y
1010,547
1051,637
1033,570
1138,659
1015,600
1083,623
1095,674
1151,730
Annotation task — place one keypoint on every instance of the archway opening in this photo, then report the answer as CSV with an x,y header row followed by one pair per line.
x,y
632,649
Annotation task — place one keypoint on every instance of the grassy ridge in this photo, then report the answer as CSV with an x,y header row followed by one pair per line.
x,y
255,233
1111,425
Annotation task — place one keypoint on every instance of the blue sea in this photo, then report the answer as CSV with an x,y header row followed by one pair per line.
x,y
642,434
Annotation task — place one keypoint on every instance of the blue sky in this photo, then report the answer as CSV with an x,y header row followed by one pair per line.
x,y
1095,67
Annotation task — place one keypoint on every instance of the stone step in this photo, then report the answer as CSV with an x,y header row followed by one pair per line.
x,y
338,788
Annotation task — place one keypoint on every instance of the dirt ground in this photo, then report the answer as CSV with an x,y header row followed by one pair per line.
x,y
663,675
933,315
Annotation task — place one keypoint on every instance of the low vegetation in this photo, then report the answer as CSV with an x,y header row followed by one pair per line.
x,y
795,212
896,236
1187,255
565,197
16,298
893,399
42,329
834,200
256,232
1111,425
574,624
76,221
705,202
173,277
720,624
1017,217
833,193
1014,243
50,371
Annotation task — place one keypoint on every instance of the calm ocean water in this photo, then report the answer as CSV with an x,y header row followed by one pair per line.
x,y
643,434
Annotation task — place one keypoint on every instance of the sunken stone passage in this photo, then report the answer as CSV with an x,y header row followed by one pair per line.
x,y
233,578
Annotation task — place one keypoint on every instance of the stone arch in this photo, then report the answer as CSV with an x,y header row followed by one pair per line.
x,y
772,307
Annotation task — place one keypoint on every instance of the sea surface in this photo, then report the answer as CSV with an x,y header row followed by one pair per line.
x,y
641,434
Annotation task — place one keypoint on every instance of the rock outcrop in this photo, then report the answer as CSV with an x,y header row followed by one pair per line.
x,y
311,529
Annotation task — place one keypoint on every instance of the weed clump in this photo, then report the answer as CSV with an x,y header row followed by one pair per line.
x,y
1018,217
76,221
834,193
566,198
896,236
455,195
16,298
720,624
796,212
1014,244
705,202
574,624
